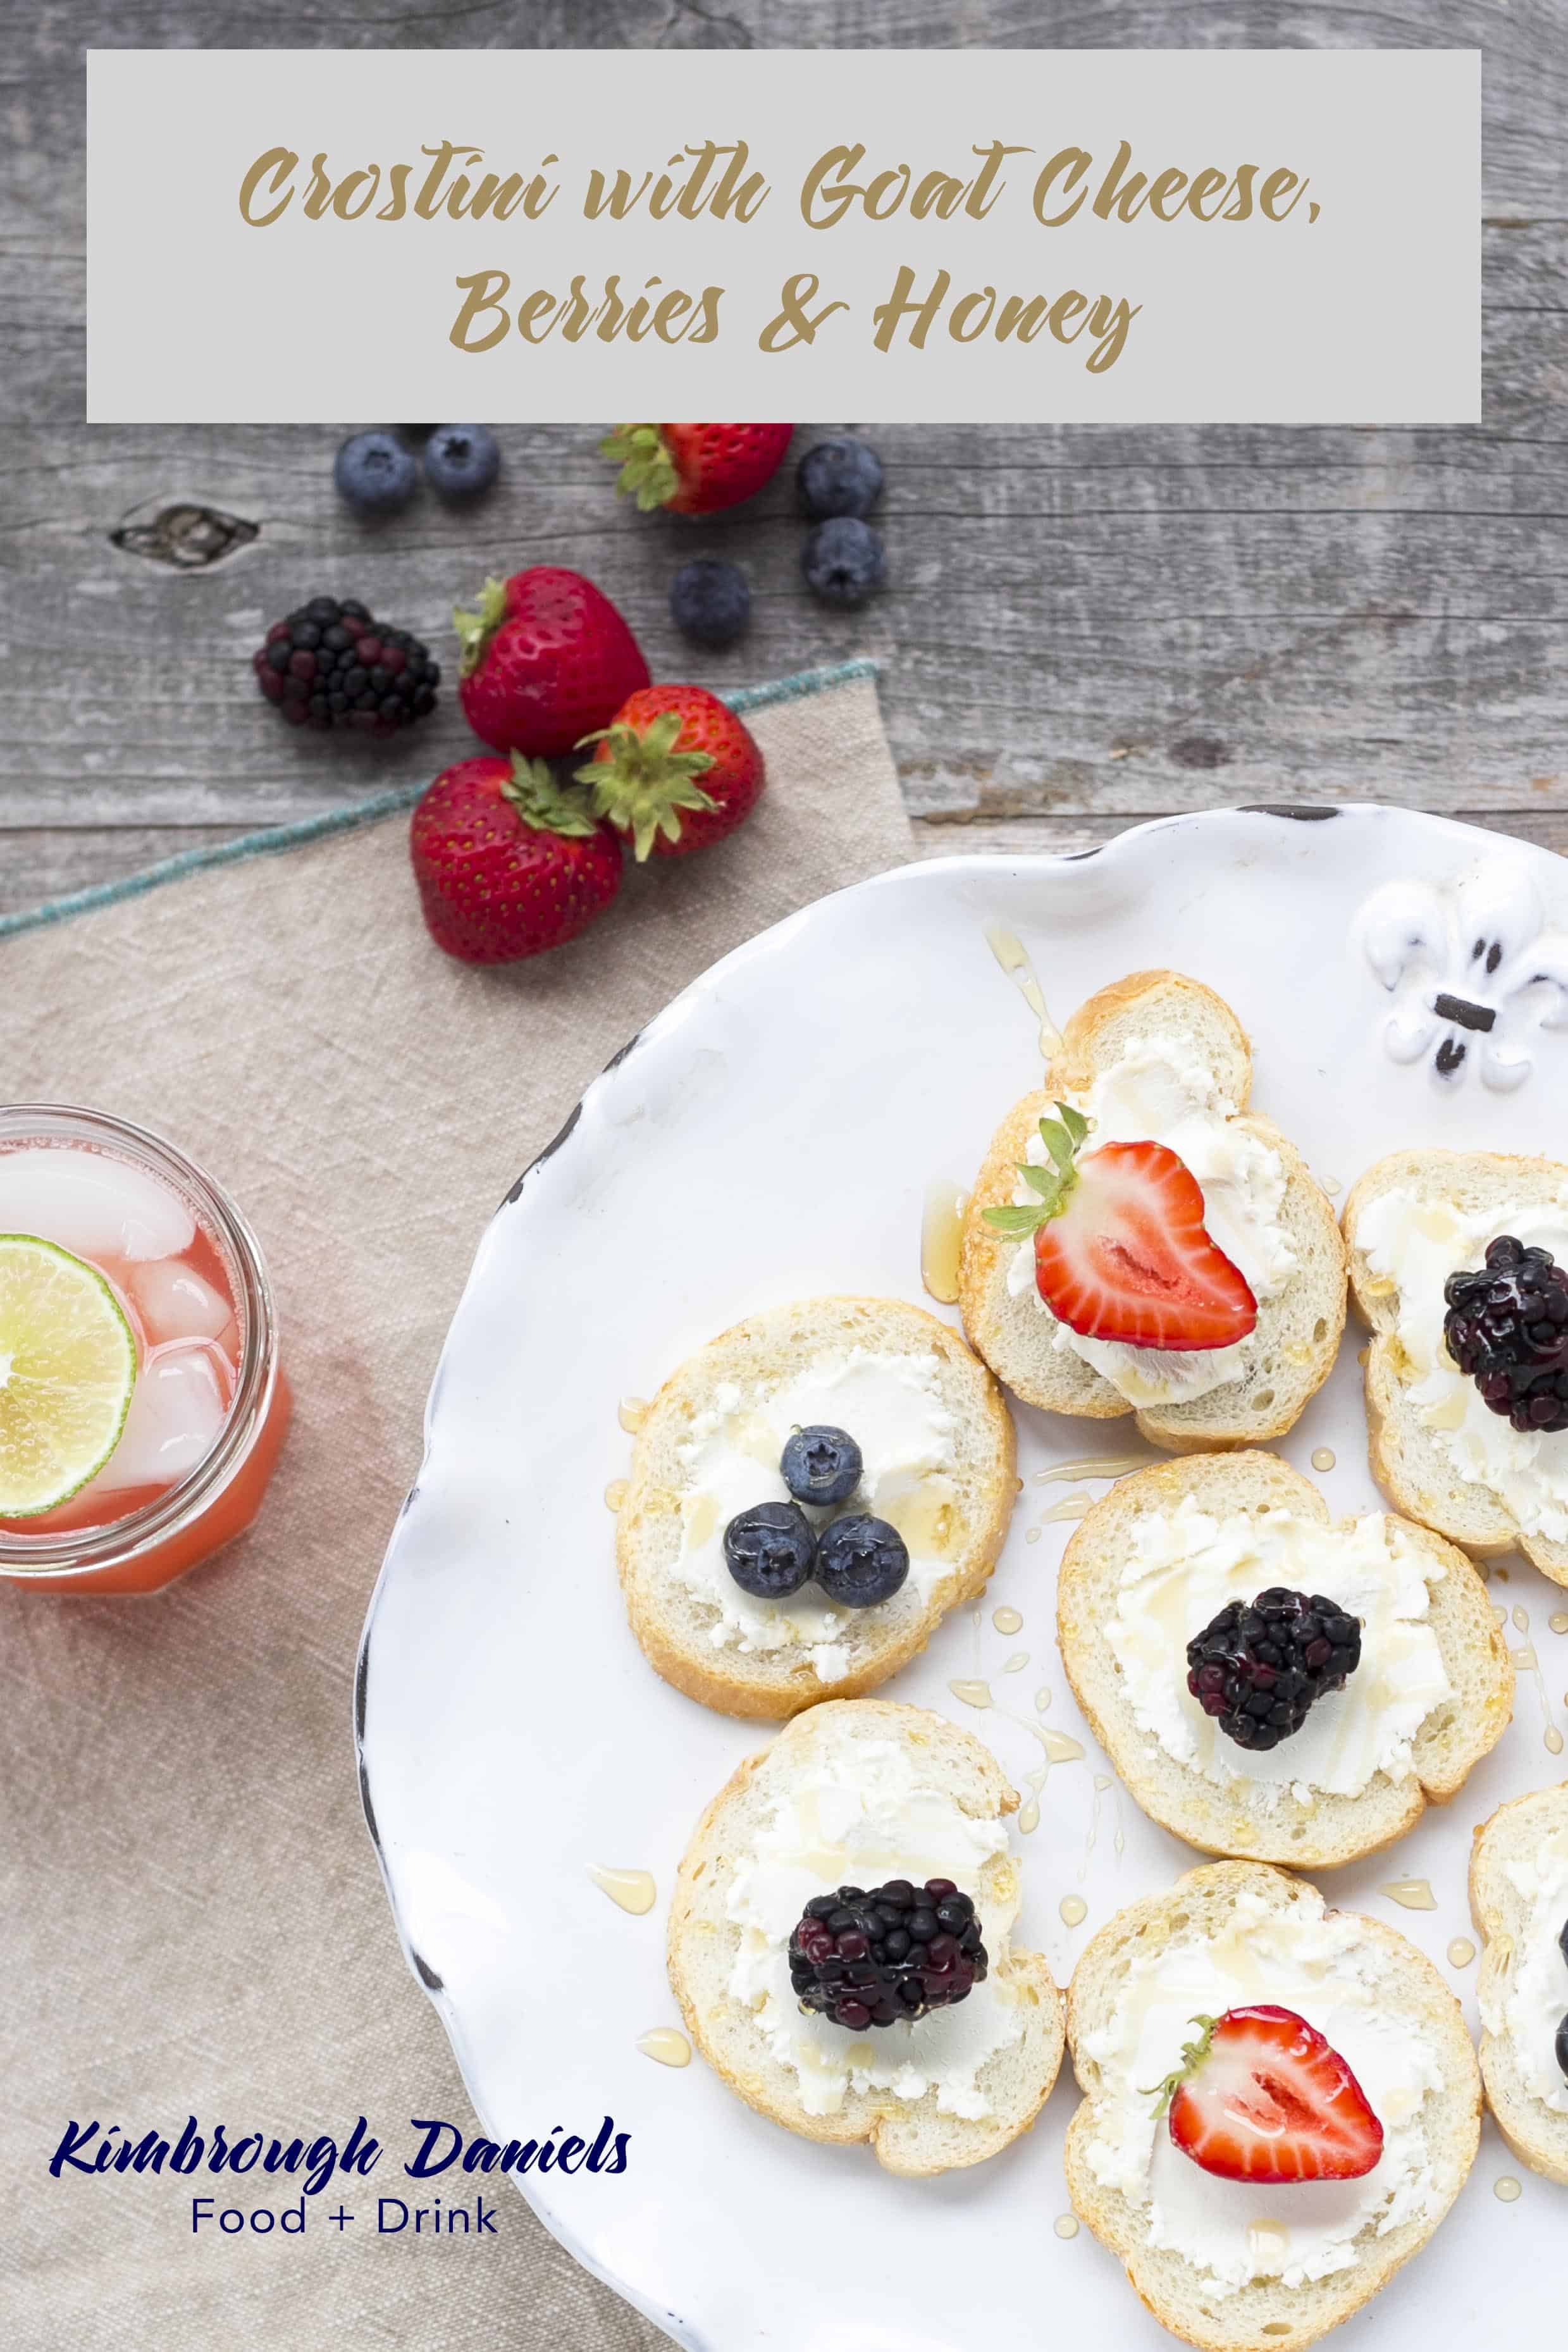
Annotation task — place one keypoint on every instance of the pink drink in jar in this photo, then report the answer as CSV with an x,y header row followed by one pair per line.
x,y
210,1405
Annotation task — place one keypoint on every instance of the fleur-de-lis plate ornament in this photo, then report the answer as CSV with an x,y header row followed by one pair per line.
x,y
1473,969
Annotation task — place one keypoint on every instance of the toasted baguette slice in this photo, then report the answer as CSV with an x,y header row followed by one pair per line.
x,y
1231,1820
1265,2312
676,1626
1293,1345
1410,1467
1537,2135
908,2135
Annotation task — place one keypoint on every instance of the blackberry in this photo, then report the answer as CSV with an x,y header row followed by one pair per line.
x,y
331,665
1259,1667
1507,1329
898,1951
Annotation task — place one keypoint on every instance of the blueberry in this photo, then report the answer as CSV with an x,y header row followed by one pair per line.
x,y
839,478
861,1561
461,460
1562,1940
770,1550
1563,2045
820,1465
843,560
375,473
710,600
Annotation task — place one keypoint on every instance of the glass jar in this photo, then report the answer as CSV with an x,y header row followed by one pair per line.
x,y
162,1526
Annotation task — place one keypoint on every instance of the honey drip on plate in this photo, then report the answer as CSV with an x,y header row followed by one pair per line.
x,y
616,1492
631,1412
1558,1621
1031,1535
1013,956
633,1890
1071,1506
1461,1952
1057,1745
1066,2225
1016,1662
1102,1782
1059,1750
669,2046
1096,1465
973,1693
1074,1910
1507,2189
941,1238
1043,1698
1412,1894
1324,1458
1007,1621
1526,1662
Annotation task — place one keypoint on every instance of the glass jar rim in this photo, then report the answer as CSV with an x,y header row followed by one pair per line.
x,y
74,1551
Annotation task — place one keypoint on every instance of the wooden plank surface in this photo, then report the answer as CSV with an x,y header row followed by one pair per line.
x,y
1083,625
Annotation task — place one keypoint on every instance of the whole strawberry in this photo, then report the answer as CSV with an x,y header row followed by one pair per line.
x,y
674,769
695,468
507,863
546,658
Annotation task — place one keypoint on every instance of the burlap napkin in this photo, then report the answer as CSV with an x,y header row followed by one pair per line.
x,y
191,1914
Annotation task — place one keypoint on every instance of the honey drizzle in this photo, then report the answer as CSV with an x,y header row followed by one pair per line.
x,y
941,1238
1095,1465
1060,1748
1526,1662
667,2044
1411,1894
1013,956
633,1890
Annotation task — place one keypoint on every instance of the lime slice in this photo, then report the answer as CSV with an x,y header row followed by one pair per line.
x,y
68,1367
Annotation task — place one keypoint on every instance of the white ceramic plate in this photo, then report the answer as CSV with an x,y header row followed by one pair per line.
x,y
771,1135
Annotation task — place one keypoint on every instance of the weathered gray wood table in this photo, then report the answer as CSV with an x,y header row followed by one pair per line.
x,y
1084,626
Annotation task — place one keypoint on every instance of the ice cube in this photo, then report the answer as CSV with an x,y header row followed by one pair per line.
x,y
176,1303
91,1204
175,1415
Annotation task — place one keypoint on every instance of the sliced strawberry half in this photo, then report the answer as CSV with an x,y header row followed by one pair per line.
x,y
1120,1251
1263,2096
